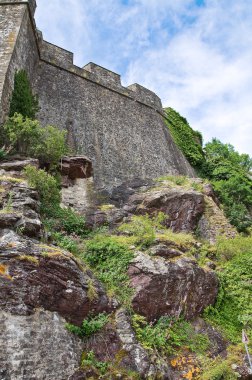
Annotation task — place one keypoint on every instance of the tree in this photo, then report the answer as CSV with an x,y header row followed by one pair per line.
x,y
23,101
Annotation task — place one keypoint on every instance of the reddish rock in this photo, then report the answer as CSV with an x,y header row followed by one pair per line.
x,y
35,275
182,207
172,288
76,167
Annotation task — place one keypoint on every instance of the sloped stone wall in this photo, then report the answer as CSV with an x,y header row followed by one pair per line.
x,y
37,347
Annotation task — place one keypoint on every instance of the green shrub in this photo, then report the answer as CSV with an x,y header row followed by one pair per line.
x,y
233,309
22,100
50,146
89,360
143,227
21,133
110,261
89,325
46,185
2,154
25,136
168,336
229,172
66,242
65,220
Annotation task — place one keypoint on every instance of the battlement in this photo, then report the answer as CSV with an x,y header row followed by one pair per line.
x,y
32,3
107,76
55,54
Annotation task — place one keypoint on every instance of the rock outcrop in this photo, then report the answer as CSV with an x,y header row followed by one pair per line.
x,y
170,287
124,353
19,204
35,275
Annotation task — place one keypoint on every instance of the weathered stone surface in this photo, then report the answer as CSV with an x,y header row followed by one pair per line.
x,y
36,275
37,347
18,165
213,222
165,251
171,288
20,206
79,194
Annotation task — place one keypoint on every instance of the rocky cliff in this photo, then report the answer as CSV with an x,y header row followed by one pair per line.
x,y
154,274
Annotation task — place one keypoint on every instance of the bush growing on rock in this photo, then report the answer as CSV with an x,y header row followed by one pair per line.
x,y
233,309
27,137
110,260
46,185
89,325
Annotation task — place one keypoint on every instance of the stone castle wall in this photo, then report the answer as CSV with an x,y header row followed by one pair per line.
x,y
120,129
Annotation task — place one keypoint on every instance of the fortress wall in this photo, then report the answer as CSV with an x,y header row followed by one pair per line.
x,y
123,137
18,49
120,129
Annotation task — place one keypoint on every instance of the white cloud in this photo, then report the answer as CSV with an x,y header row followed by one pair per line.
x,y
197,59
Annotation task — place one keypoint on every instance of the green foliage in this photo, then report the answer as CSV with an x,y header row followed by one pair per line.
x,y
221,369
21,133
25,136
45,184
229,172
89,326
50,146
110,260
65,221
89,360
23,101
188,140
143,228
66,242
233,309
2,154
168,336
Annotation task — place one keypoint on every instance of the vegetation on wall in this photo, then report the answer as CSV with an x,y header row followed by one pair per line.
x,y
227,170
188,140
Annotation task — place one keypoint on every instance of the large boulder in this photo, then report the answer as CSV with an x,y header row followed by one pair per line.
x,y
183,208
73,167
34,275
176,287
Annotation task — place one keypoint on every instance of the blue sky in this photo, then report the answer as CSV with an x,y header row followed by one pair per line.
x,y
196,55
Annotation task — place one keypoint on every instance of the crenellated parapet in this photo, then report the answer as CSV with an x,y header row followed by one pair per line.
x,y
63,59
106,76
56,55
